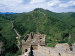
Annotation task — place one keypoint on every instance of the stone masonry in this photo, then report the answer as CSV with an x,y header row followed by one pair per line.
x,y
36,43
62,49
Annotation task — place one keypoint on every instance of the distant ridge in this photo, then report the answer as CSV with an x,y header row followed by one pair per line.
x,y
7,13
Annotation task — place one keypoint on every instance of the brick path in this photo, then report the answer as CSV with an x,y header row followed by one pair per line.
x,y
38,53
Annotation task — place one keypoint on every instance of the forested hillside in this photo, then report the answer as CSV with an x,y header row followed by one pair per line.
x,y
58,27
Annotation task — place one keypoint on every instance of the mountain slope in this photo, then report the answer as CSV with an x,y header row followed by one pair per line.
x,y
58,27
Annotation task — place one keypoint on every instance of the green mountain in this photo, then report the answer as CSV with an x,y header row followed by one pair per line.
x,y
58,27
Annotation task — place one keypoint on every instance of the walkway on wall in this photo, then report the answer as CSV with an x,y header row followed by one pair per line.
x,y
12,22
39,53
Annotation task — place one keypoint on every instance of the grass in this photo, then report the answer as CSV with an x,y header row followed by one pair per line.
x,y
50,41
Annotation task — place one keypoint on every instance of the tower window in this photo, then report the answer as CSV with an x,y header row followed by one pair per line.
x,y
26,50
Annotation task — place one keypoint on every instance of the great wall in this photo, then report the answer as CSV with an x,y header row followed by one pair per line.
x,y
34,45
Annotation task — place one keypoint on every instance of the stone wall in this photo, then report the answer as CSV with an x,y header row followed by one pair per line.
x,y
28,53
35,47
73,46
43,49
58,50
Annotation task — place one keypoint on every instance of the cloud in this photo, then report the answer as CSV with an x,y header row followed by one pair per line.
x,y
36,1
10,5
54,2
11,2
68,4
20,6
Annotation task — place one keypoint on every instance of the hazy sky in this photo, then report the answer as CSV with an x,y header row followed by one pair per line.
x,y
28,5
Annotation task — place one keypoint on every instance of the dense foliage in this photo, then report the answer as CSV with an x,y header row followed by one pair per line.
x,y
59,26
